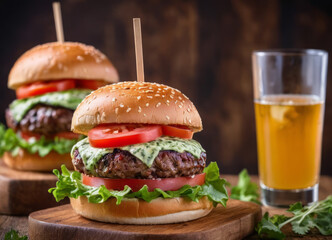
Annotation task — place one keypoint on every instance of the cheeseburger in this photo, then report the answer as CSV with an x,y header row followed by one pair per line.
x,y
139,163
50,80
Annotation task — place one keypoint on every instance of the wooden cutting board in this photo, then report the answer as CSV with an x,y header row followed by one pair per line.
x,y
24,192
234,222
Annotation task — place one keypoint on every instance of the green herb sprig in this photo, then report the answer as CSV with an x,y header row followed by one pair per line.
x,y
318,215
14,235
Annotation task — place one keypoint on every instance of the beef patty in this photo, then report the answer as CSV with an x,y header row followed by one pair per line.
x,y
42,119
122,164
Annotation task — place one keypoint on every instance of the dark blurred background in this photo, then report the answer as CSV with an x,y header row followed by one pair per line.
x,y
202,48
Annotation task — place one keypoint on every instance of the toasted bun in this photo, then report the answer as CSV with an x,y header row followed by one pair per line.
x,y
135,102
54,61
134,211
33,162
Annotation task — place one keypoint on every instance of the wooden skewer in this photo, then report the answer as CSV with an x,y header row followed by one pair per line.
x,y
58,22
138,49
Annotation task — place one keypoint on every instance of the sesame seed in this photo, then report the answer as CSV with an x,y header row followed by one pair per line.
x,y
163,96
128,109
158,104
79,58
116,110
149,96
167,117
147,104
121,105
157,95
144,115
188,109
139,97
172,92
113,99
180,106
180,98
189,120
171,96
139,109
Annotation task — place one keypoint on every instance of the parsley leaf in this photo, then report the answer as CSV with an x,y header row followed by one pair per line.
x,y
318,215
13,235
268,228
245,190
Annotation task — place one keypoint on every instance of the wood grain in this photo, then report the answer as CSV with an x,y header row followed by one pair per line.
x,y
234,222
24,192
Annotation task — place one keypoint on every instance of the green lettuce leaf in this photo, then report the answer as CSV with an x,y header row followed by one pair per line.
x,y
11,142
67,99
245,190
70,185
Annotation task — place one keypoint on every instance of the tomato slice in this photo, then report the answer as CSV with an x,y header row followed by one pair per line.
x,y
90,84
111,135
40,88
165,184
27,135
175,131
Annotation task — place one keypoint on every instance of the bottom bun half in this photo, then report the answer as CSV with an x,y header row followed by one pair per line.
x,y
135,211
26,161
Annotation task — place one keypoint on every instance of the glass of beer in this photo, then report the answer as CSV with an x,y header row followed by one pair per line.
x,y
289,98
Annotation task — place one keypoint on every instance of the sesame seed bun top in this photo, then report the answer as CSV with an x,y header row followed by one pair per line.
x,y
135,102
54,61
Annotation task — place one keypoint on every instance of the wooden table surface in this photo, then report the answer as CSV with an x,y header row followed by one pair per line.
x,y
20,223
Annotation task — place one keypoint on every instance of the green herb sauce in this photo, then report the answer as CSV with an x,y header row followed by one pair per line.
x,y
68,99
146,152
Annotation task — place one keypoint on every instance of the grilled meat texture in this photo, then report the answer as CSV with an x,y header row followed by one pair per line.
x,y
42,119
122,164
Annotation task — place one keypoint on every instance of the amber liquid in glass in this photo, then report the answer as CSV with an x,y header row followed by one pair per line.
x,y
289,138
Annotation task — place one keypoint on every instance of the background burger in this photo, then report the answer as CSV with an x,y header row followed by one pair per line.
x,y
50,80
139,164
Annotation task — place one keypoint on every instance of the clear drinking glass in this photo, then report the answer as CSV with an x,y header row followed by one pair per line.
x,y
289,97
